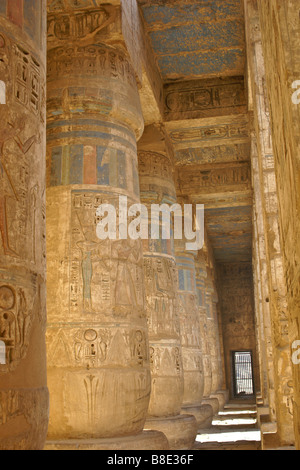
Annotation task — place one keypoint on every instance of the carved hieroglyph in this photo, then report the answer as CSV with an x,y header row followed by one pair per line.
x,y
157,187
23,386
97,339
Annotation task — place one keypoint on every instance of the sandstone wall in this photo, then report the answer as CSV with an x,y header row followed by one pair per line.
x,y
280,38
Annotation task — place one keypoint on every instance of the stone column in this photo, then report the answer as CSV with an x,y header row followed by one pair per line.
x,y
215,399
212,300
157,187
97,337
190,334
201,275
23,385
220,393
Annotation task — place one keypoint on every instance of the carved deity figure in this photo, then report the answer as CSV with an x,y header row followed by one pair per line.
x,y
9,131
87,247
125,286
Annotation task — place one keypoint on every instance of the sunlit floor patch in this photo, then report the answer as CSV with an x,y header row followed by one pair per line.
x,y
236,412
234,425
233,436
234,422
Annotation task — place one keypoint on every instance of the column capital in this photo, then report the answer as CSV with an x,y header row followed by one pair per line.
x,y
117,23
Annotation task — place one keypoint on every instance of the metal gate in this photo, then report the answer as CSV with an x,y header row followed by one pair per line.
x,y
242,373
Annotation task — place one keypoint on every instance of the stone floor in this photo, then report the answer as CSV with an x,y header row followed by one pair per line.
x,y
234,428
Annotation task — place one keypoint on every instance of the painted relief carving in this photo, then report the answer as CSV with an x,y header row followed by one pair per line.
x,y
72,5
20,198
154,164
216,154
94,347
21,410
209,179
139,351
25,75
79,24
226,131
105,274
17,200
93,60
90,348
91,384
165,361
161,297
10,406
23,390
189,321
19,140
17,311
199,99
28,87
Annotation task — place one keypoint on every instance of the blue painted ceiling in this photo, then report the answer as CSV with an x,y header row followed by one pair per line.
x,y
196,38
204,39
230,232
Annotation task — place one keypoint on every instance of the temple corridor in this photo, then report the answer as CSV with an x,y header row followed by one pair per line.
x,y
149,221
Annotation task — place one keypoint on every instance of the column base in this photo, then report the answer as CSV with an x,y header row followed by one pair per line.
x,y
222,396
263,414
203,414
180,430
146,440
213,402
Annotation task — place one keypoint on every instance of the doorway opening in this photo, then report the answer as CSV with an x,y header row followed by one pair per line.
x,y
242,367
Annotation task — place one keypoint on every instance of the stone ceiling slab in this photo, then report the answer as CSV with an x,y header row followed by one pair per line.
x,y
199,47
230,232
196,39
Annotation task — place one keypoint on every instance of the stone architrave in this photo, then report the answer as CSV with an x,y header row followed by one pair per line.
x,y
24,398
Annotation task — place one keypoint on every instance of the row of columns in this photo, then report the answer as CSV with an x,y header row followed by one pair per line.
x,y
127,365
